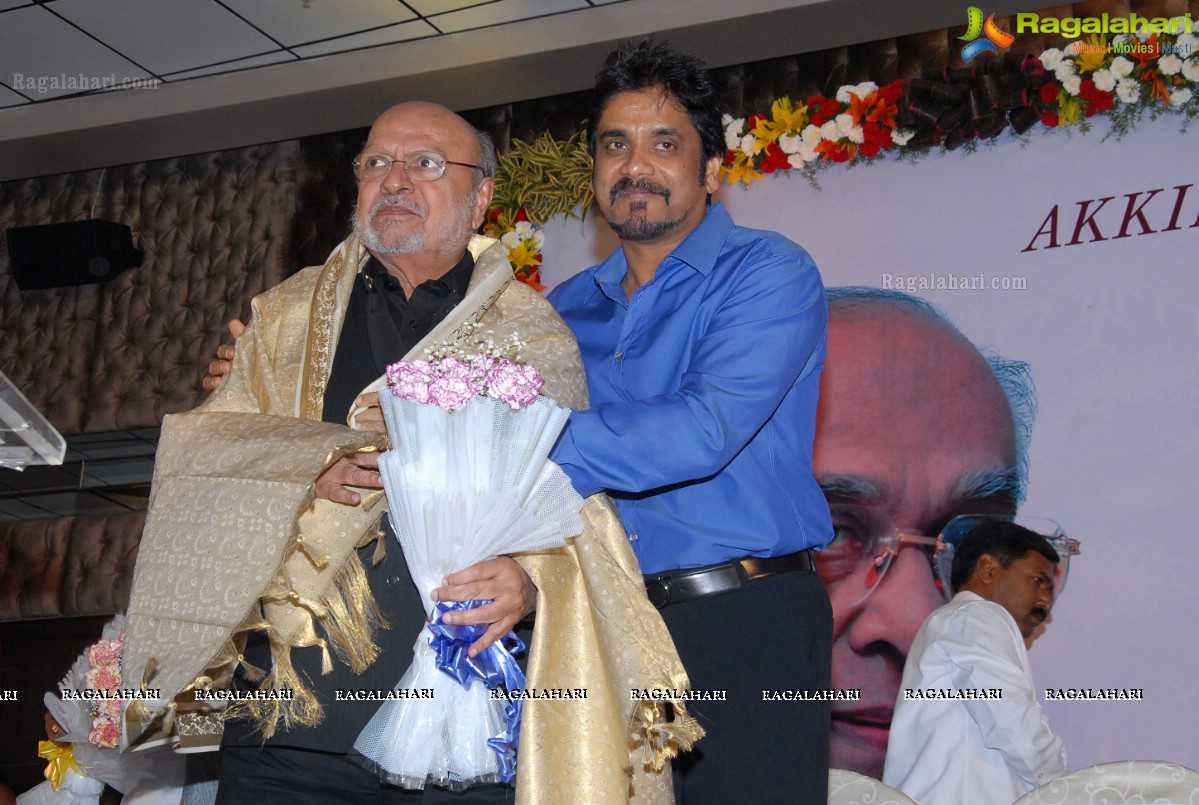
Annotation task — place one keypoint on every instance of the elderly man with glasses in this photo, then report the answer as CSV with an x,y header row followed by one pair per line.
x,y
263,552
915,428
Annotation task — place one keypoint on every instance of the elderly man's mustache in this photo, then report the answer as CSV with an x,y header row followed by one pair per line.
x,y
641,185
403,202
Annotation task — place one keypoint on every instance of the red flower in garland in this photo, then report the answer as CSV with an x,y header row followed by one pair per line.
x,y
1050,119
892,92
1097,100
1049,92
815,106
774,159
876,138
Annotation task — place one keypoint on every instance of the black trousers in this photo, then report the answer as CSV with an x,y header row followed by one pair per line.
x,y
774,634
256,775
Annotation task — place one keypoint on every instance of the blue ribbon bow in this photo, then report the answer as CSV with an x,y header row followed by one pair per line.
x,y
493,666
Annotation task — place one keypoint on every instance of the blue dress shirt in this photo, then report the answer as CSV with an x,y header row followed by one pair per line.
x,y
703,397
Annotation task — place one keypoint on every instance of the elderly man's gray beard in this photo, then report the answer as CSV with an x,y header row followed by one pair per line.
x,y
456,231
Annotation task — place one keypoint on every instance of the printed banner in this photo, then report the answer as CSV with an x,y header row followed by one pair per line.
x,y
1075,254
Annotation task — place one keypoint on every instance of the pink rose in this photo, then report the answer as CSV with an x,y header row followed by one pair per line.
x,y
452,393
514,384
105,733
105,677
410,380
104,652
109,708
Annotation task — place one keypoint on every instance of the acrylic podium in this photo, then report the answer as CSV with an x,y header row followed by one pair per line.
x,y
26,438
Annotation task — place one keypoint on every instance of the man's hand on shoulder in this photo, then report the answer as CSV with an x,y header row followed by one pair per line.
x,y
355,469
224,358
513,595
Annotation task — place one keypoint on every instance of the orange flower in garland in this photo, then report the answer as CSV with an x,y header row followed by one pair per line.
x,y
836,150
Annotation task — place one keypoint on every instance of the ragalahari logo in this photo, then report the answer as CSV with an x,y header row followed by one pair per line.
x,y
996,39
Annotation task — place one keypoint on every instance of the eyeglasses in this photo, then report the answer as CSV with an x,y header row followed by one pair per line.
x,y
419,167
866,542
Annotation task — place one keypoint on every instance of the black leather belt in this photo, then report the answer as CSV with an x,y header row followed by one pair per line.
x,y
677,586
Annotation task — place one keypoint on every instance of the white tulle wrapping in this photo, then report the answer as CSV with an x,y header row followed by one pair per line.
x,y
462,487
122,771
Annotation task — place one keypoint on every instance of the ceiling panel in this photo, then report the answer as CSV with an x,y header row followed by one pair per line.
x,y
237,64
291,23
166,36
429,7
43,57
10,98
404,32
501,12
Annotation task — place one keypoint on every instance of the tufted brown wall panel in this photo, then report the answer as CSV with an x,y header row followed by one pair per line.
x,y
67,566
122,354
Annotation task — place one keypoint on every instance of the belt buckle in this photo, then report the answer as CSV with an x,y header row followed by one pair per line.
x,y
658,592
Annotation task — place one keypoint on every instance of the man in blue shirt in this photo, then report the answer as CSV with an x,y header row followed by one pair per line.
x,y
703,344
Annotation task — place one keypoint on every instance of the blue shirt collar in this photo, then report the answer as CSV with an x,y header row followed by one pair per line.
x,y
700,250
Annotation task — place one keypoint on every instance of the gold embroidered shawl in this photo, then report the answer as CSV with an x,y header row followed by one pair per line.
x,y
233,523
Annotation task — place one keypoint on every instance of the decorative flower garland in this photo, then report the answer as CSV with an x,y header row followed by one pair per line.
x,y
1123,80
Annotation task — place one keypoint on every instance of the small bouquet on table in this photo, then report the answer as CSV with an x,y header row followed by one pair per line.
x,y
468,478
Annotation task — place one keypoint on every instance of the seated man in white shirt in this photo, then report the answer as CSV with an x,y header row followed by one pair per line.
x,y
967,726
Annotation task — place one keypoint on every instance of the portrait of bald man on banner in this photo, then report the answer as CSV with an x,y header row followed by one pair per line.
x,y
915,427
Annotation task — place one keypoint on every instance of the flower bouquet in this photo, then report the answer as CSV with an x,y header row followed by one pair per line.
x,y
467,479
88,710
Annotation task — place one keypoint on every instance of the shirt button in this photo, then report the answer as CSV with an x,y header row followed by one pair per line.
x,y
633,538
393,580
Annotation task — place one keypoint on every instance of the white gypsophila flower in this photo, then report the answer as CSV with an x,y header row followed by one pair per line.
x,y
1180,96
1187,43
1121,67
861,90
829,131
726,119
510,239
844,123
1142,33
1128,90
1104,80
811,135
747,144
790,143
1190,70
1072,84
1051,58
1064,69
856,135
901,136
1119,39
1169,64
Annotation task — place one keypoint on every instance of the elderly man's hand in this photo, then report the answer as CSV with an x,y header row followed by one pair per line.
x,y
501,579
355,469
371,415
224,358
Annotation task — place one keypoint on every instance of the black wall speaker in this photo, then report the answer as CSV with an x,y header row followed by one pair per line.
x,y
67,254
